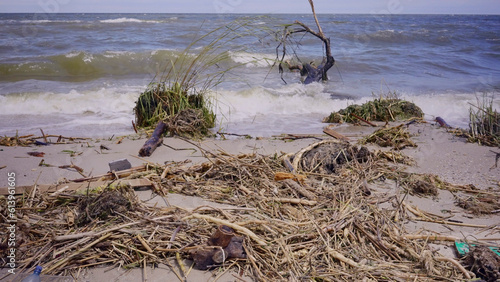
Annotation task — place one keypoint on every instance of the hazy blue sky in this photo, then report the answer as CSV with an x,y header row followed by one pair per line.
x,y
254,6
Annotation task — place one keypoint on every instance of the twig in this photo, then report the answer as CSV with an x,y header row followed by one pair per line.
x,y
144,243
348,261
172,238
44,137
316,18
234,134
457,265
182,267
327,130
296,201
363,120
181,149
301,190
33,193
135,249
497,157
93,233
79,251
430,237
174,270
227,223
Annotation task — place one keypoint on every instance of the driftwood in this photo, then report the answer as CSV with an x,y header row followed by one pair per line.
x,y
156,140
56,189
363,120
335,134
311,72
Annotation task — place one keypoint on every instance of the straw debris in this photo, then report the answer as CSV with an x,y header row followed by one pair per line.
x,y
421,184
397,137
479,205
103,205
315,222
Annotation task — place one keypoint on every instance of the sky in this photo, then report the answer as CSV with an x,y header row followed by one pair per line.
x,y
253,6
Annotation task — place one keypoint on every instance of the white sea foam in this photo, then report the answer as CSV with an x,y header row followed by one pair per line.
x,y
258,111
253,59
104,100
453,108
128,20
87,113
293,108
46,21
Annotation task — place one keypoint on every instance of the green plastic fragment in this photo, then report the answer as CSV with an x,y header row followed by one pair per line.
x,y
463,248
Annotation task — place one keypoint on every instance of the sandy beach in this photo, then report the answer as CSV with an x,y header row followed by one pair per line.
x,y
438,153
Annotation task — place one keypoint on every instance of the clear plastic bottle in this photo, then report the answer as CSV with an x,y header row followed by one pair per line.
x,y
35,277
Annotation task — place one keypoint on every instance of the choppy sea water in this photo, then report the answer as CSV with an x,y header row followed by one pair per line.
x,y
80,74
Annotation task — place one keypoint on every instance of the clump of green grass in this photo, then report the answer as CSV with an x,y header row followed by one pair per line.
x,y
484,124
389,108
188,79
162,101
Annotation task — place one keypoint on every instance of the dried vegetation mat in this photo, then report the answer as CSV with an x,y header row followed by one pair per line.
x,y
309,216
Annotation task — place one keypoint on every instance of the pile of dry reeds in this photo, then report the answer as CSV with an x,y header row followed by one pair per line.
x,y
298,223
28,140
397,137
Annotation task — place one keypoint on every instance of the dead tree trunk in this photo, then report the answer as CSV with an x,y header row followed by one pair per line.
x,y
156,140
312,73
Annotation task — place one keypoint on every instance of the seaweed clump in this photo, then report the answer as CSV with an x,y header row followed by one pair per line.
x,y
422,184
330,157
103,205
479,205
381,109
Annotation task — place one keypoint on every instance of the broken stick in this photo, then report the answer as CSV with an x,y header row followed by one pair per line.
x,y
363,120
334,134
156,140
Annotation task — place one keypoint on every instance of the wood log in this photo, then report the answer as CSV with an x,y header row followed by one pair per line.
x,y
156,140
335,134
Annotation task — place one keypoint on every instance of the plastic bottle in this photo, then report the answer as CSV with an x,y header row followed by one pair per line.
x,y
35,277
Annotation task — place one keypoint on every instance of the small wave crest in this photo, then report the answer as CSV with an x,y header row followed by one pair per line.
x,y
454,108
128,20
253,59
44,21
84,66
74,102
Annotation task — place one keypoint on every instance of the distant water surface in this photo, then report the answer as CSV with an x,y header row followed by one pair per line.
x,y
80,74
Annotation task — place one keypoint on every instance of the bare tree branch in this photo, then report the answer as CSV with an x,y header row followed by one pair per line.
x,y
312,73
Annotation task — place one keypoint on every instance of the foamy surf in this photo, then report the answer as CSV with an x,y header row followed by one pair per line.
x,y
258,111
57,77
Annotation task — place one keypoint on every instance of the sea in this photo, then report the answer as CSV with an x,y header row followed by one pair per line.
x,y
80,75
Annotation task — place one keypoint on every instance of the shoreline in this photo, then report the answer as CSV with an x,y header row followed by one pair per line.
x,y
438,152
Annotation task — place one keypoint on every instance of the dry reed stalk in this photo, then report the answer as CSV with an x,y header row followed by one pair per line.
x,y
343,234
456,264
430,237
296,201
239,228
144,243
82,250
